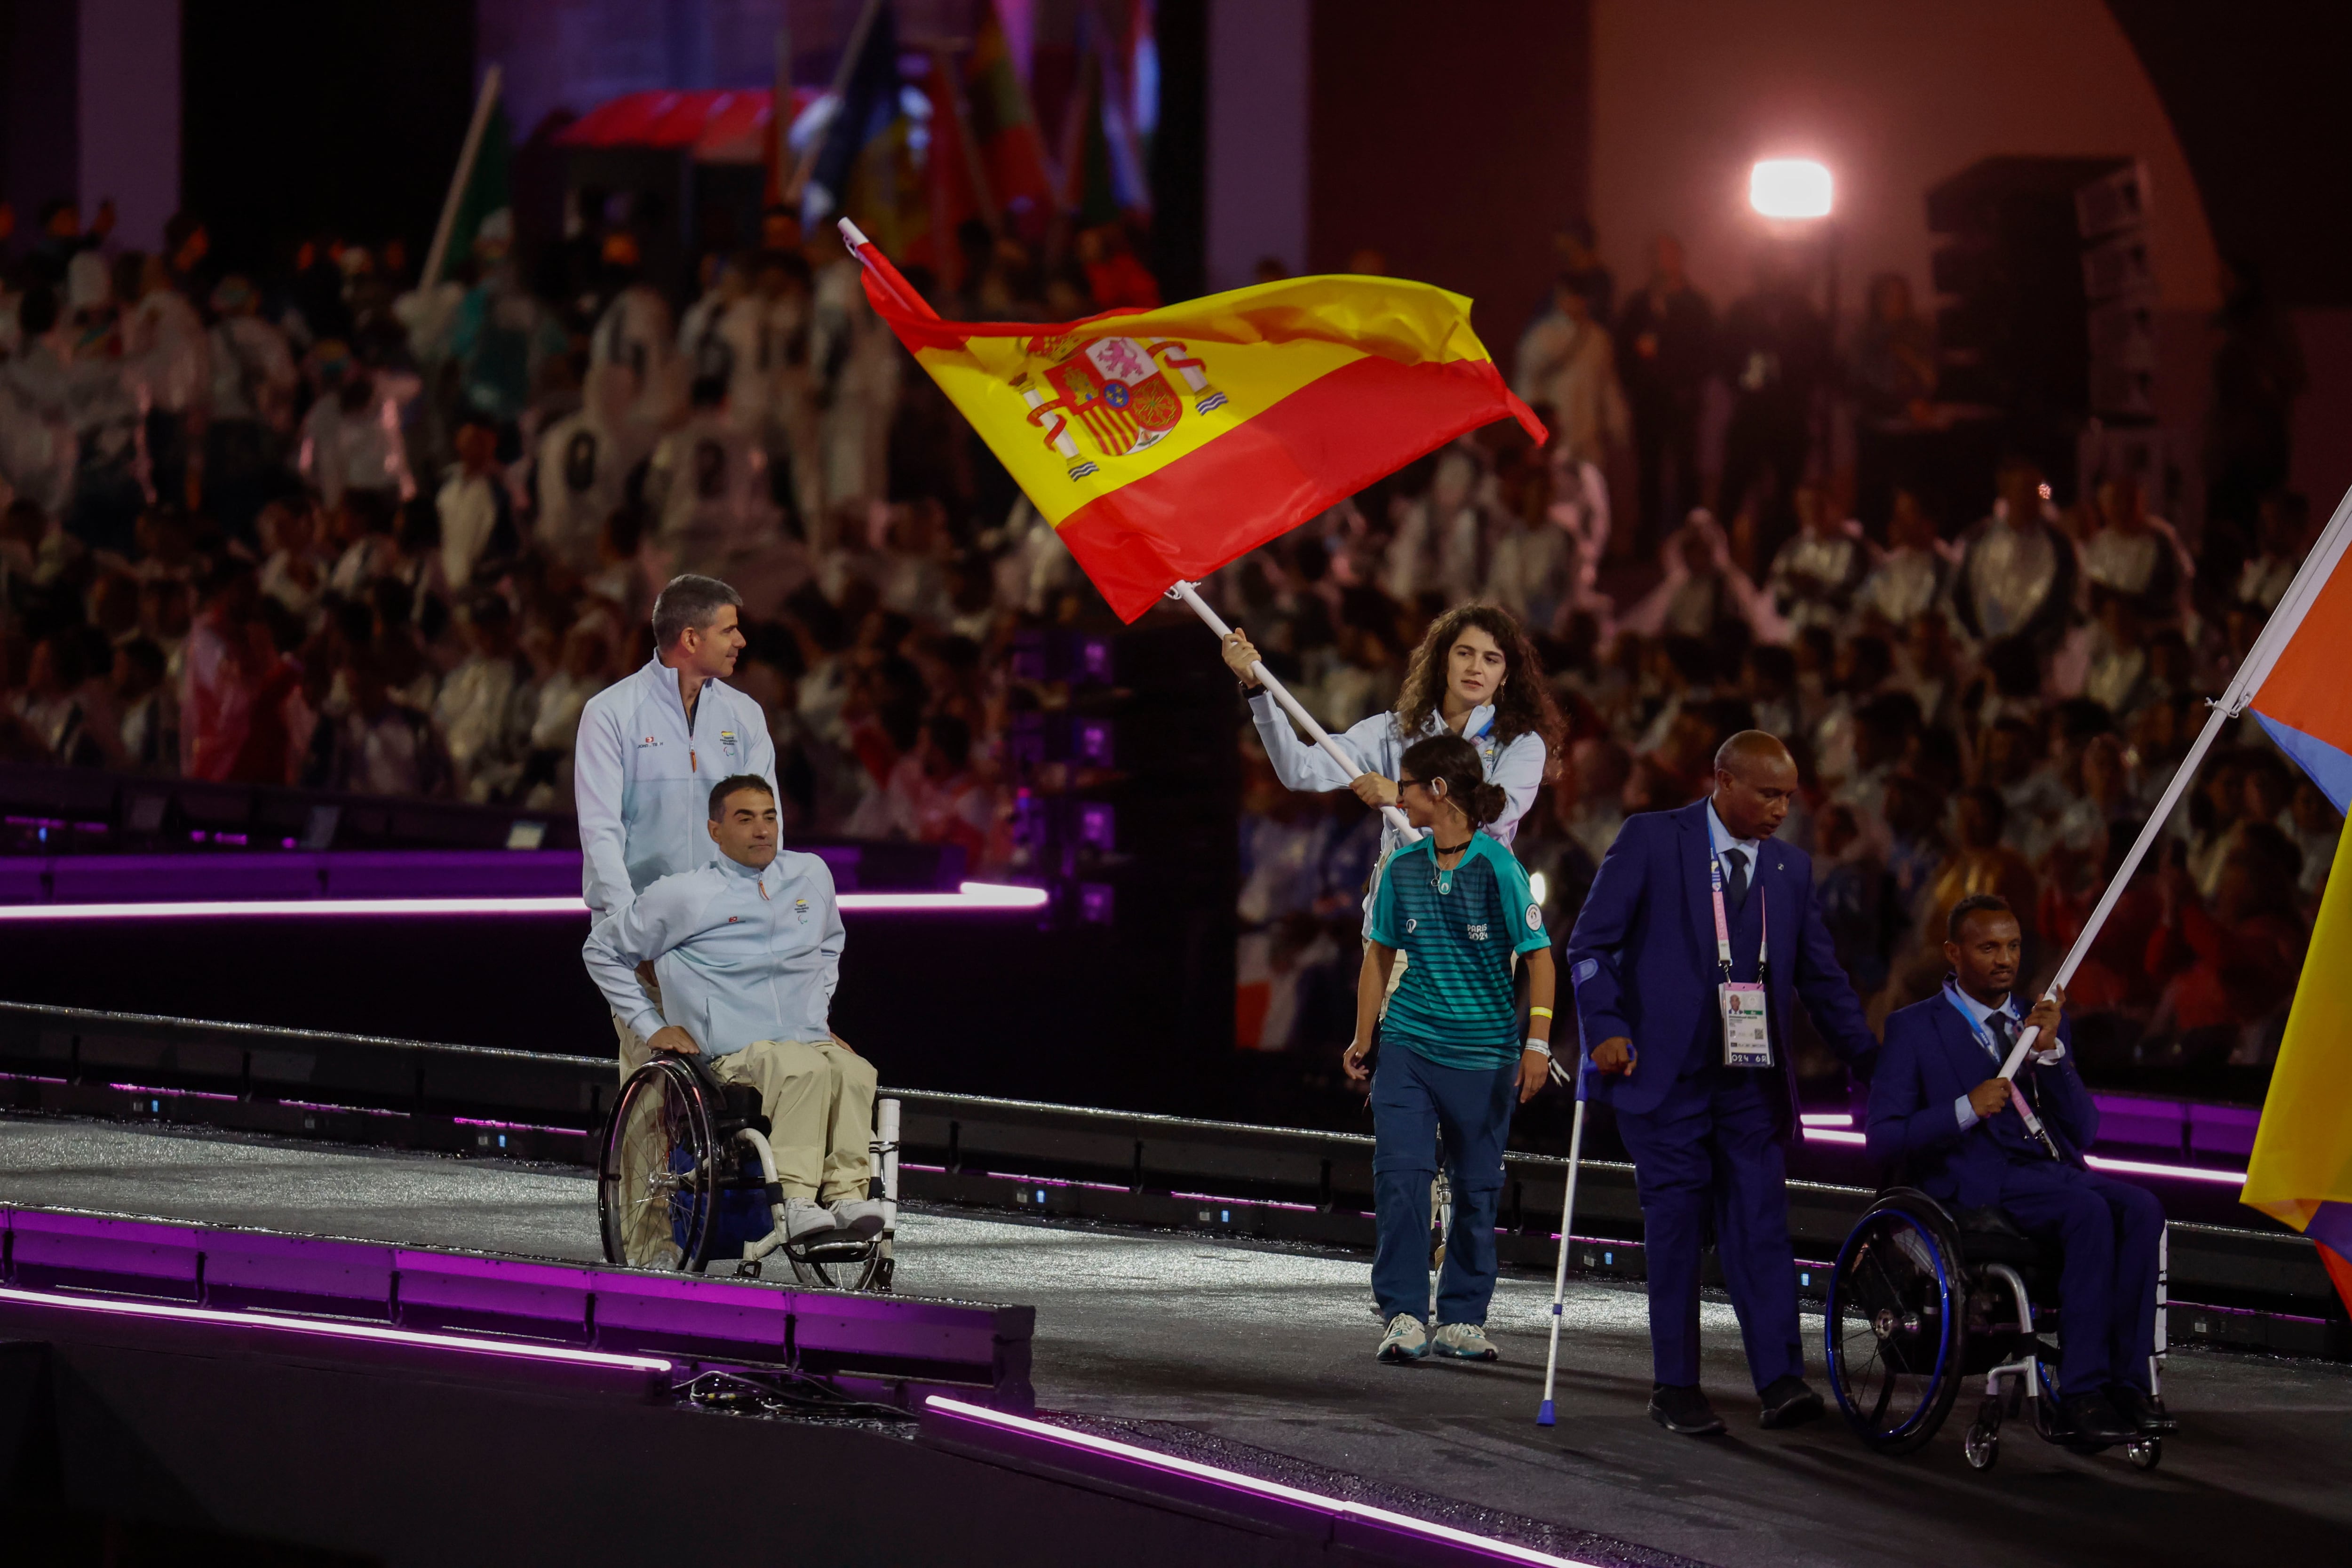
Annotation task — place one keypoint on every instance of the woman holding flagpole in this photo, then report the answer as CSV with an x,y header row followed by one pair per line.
x,y
1474,675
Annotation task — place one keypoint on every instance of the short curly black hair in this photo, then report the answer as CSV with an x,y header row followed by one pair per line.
x,y
1974,904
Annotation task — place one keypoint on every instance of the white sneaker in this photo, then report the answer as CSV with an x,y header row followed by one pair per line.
x,y
860,1216
803,1219
1464,1342
1405,1340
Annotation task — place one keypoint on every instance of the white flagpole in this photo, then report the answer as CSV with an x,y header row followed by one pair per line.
x,y
1544,1411
2301,594
1306,720
466,154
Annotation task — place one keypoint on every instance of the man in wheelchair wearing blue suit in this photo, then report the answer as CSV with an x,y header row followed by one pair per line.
x,y
1939,1107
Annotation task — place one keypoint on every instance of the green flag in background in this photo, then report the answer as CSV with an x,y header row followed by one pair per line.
x,y
486,194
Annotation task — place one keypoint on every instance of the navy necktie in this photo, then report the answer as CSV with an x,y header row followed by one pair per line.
x,y
2004,1033
1735,886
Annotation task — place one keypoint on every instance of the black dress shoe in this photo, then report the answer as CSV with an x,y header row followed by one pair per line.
x,y
2144,1410
1684,1411
1789,1402
2095,1419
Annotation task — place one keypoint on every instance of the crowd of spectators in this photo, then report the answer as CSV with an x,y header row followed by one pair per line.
x,y
326,528
331,530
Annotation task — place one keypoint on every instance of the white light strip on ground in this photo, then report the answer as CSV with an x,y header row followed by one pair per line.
x,y
1148,1459
2148,1168
212,1318
1826,1118
2096,1162
974,897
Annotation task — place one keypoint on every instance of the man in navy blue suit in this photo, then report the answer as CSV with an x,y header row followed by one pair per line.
x,y
1939,1105
1697,931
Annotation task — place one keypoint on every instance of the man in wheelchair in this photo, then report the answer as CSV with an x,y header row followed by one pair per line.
x,y
749,952
1939,1107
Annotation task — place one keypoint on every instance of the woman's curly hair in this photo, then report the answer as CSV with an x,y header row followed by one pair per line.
x,y
1524,703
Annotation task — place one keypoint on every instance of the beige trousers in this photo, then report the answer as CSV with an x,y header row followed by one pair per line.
x,y
819,1100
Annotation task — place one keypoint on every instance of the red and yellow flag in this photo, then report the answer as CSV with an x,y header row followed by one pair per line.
x,y
1162,444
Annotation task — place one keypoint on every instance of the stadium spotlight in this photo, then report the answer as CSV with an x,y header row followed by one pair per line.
x,y
1788,187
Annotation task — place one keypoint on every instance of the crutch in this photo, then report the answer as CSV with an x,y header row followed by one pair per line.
x,y
1544,1411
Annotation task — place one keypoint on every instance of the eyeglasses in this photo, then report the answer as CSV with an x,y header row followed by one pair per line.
x,y
1404,784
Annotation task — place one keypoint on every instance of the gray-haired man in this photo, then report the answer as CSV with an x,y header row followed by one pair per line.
x,y
637,771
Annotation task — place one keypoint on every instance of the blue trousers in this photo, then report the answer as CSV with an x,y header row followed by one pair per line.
x,y
1712,1151
2108,1233
1412,1099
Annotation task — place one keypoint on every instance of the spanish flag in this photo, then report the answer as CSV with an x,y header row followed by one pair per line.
x,y
2294,682
1162,444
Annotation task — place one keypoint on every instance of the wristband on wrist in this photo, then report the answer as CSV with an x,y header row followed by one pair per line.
x,y
1538,1012
1542,1047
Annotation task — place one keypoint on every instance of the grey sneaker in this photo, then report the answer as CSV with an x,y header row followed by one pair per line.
x,y
1464,1342
803,1219
861,1217
1406,1341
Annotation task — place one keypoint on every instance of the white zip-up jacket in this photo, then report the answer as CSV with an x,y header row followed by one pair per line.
x,y
742,954
1519,767
641,776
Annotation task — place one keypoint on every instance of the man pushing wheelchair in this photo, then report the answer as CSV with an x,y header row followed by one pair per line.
x,y
1939,1107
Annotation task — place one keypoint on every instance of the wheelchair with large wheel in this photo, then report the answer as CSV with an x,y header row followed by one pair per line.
x,y
1922,1302
686,1180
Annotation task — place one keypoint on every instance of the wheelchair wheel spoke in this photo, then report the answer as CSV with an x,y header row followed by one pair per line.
x,y
1888,1338
1886,1395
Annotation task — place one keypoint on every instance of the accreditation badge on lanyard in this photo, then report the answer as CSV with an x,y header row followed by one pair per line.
x,y
1746,1035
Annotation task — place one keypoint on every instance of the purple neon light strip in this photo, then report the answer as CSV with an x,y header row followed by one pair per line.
x,y
973,897
2176,1305
1233,1480
214,1317
1826,1118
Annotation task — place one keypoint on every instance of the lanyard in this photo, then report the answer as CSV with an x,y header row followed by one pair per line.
x,y
1981,1035
1723,926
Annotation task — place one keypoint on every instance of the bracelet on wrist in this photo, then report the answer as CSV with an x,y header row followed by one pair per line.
x,y
1542,1047
1538,1012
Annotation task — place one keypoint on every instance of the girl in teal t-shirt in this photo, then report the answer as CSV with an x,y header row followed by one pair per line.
x,y
1458,1060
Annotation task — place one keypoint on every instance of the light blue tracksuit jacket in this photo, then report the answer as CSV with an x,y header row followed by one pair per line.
x,y
742,954
641,777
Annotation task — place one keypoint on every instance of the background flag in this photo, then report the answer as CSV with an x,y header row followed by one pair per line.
x,y
957,184
2295,681
1012,150
1091,186
869,104
1162,444
483,189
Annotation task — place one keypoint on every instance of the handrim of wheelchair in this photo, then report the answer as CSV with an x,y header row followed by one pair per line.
x,y
1922,1303
686,1180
